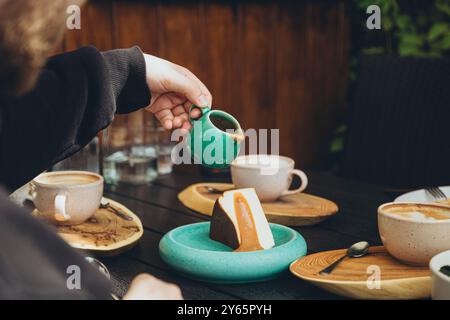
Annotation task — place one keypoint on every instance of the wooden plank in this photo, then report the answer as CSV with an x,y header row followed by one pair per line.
x,y
147,250
135,23
96,27
323,20
219,55
357,221
293,101
123,269
271,64
256,77
282,288
357,201
157,219
161,220
181,38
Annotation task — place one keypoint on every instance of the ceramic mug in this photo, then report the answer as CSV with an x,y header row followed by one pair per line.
x,y
413,239
440,282
67,197
215,138
270,175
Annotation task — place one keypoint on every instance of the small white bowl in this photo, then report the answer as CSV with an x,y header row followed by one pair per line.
x,y
440,283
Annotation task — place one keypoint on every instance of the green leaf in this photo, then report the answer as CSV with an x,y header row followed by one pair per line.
x,y
403,22
337,144
422,21
443,6
363,4
408,51
411,39
437,30
387,23
443,44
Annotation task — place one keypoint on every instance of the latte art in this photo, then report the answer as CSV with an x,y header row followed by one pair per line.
x,y
419,213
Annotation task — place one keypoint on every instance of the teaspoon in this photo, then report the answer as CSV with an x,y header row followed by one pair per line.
x,y
357,250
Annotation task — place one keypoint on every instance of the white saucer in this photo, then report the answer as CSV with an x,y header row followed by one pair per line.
x,y
421,195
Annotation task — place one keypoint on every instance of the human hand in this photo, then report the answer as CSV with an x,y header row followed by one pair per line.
x,y
174,89
147,287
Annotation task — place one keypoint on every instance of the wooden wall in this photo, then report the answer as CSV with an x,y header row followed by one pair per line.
x,y
272,64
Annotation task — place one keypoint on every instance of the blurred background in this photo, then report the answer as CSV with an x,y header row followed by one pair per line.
x,y
300,66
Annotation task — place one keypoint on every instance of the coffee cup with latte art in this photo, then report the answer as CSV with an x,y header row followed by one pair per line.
x,y
414,232
67,197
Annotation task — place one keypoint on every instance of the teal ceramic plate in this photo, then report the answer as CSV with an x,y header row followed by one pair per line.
x,y
190,251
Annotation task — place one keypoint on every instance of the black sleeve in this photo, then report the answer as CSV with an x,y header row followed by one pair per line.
x,y
77,95
35,263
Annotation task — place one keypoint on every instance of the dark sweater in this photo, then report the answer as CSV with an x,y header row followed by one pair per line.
x,y
77,95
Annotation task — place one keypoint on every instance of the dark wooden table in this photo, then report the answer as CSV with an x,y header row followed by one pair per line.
x,y
160,211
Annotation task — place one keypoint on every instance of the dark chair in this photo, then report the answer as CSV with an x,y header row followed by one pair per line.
x,y
399,127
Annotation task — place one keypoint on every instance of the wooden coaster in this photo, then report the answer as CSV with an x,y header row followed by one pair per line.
x,y
299,209
104,233
355,277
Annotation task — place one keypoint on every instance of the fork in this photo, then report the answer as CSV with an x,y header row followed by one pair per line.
x,y
436,193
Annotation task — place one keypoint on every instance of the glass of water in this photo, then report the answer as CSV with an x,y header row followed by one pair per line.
x,y
165,147
130,150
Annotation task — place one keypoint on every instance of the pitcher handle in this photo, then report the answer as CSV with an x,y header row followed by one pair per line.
x,y
203,111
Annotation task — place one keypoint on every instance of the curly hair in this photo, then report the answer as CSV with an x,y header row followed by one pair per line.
x,y
29,31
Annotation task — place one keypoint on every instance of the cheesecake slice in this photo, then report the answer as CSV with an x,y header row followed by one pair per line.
x,y
238,220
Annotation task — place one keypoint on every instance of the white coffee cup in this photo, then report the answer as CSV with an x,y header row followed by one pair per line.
x,y
410,238
440,283
270,175
67,197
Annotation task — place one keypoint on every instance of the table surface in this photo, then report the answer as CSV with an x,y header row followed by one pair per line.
x,y
160,211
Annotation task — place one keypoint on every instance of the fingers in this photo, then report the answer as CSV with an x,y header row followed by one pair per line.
x,y
163,106
166,118
147,287
193,77
190,87
174,89
181,116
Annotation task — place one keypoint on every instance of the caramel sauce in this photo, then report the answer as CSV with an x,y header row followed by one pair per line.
x,y
246,225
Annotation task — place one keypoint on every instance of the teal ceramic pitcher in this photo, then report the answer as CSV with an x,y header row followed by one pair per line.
x,y
215,138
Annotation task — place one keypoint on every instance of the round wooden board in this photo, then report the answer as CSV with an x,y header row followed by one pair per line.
x,y
105,233
353,276
299,209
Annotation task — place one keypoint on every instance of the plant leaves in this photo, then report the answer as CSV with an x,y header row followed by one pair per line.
x,y
437,30
443,6
408,51
443,44
386,22
403,22
411,39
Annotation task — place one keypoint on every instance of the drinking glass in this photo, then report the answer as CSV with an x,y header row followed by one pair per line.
x,y
87,159
130,150
165,147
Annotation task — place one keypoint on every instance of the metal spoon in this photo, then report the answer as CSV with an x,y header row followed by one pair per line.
x,y
105,205
103,269
357,250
